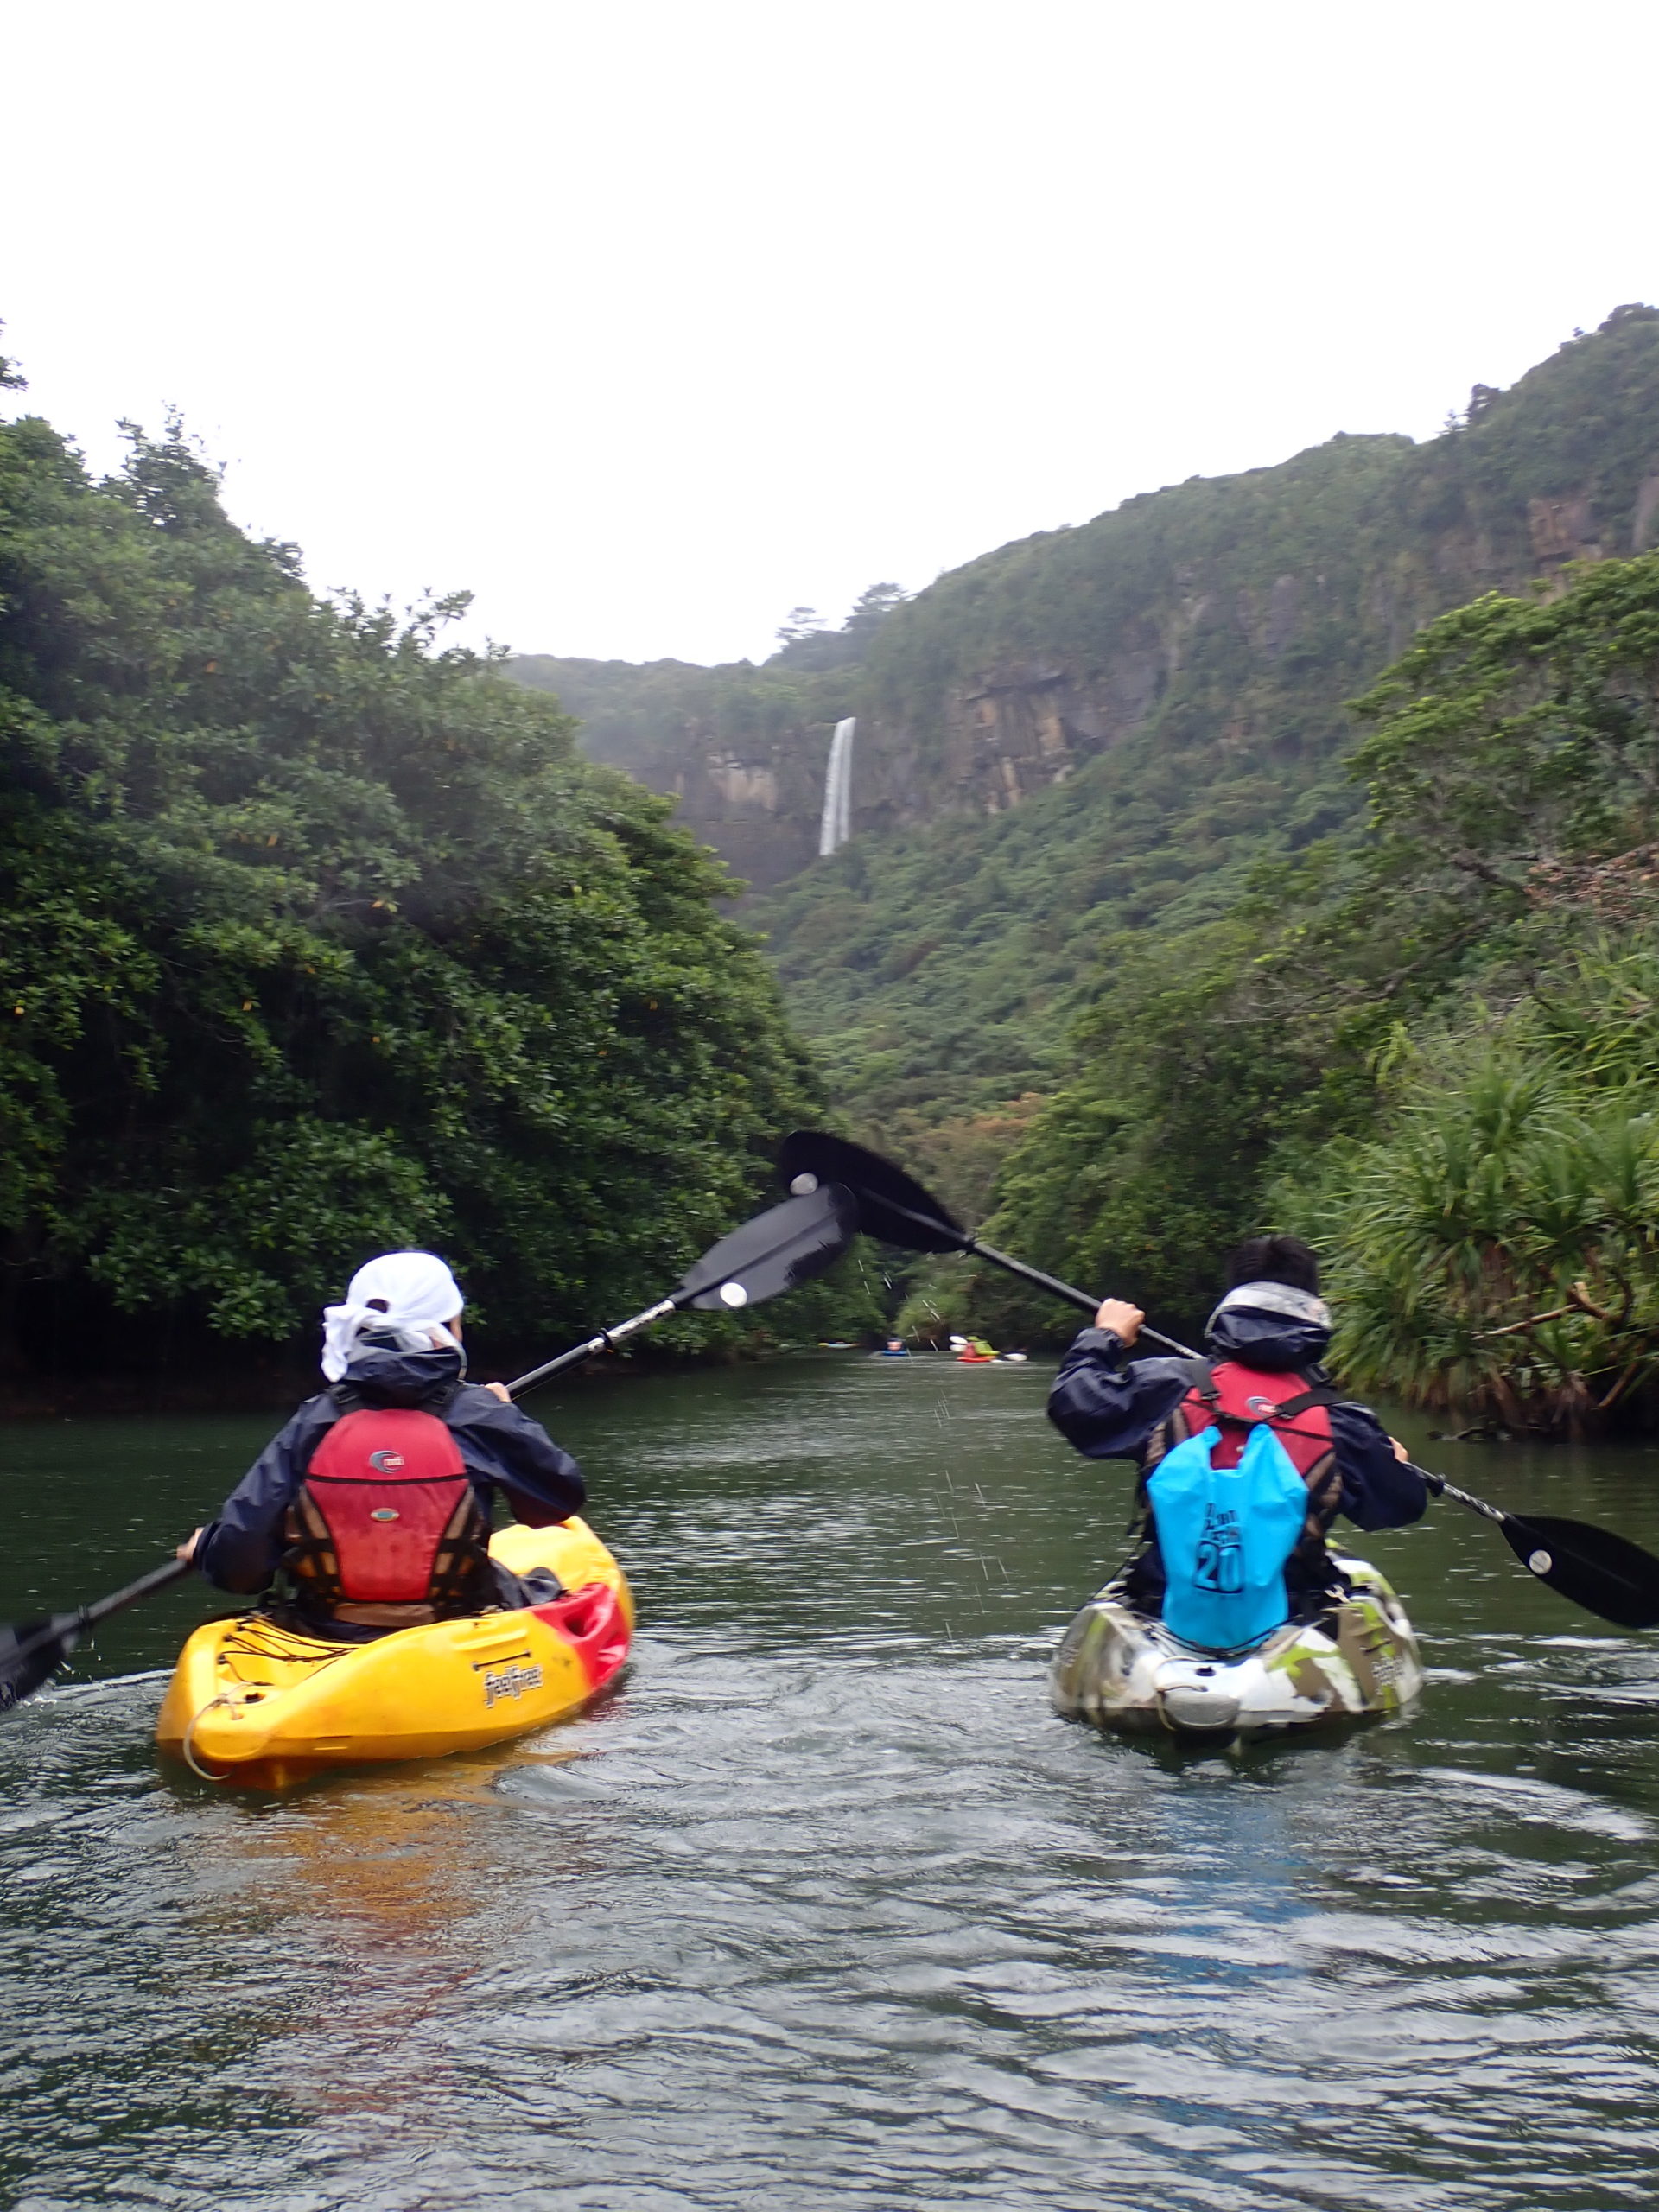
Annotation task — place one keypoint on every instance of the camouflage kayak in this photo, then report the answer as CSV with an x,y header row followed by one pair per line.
x,y
1359,1660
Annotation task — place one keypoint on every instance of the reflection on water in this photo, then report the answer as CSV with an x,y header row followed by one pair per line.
x,y
825,1908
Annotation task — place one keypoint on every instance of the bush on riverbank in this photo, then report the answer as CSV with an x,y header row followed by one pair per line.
x,y
1498,1246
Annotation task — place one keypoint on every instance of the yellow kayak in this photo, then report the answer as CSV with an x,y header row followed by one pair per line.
x,y
258,1704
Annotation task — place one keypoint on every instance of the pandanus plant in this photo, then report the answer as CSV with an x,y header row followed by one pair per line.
x,y
1498,1248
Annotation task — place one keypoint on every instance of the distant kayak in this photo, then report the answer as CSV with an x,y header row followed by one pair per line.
x,y
263,1705
1125,1672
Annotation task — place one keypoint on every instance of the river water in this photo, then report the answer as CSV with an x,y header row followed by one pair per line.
x,y
826,1909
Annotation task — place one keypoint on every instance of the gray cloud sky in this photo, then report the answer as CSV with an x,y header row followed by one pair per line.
x,y
646,321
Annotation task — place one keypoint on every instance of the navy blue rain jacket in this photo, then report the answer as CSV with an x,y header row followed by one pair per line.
x,y
1109,1411
499,1446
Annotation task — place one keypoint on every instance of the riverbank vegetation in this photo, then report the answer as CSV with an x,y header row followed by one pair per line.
x,y
320,936
1433,1047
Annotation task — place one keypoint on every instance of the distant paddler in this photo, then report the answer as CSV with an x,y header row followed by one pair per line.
x,y
375,1500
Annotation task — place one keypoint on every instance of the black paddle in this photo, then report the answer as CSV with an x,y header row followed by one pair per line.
x,y
1590,1567
33,1650
895,1209
779,1249
1605,1574
786,1245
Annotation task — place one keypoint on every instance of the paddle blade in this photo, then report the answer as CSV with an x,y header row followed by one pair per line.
x,y
32,1653
889,1201
785,1246
1605,1573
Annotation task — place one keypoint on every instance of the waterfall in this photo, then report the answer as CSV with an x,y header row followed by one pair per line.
x,y
837,824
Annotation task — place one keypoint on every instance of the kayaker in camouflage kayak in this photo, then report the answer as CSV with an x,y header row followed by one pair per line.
x,y
1265,1339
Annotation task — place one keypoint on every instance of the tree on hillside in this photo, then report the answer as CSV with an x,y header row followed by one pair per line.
x,y
809,643
871,609
801,626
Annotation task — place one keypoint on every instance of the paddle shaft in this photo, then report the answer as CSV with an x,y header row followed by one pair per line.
x,y
602,1342
1437,1484
63,1626
1518,1533
1514,1527
1081,1298
1441,1488
786,1245
1073,1296
86,1617
1591,1568
172,1570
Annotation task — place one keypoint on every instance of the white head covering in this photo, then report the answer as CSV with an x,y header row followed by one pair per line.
x,y
419,1294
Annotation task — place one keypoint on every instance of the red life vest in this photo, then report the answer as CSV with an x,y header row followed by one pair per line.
x,y
386,1528
1235,1399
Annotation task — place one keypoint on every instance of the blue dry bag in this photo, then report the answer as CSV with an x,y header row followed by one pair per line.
x,y
1226,1534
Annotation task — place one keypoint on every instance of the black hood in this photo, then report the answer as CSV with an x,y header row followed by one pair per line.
x,y
1277,1342
382,1377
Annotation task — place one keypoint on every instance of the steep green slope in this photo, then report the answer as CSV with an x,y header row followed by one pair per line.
x,y
1086,742
936,967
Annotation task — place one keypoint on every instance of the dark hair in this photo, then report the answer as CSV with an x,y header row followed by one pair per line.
x,y
1274,1259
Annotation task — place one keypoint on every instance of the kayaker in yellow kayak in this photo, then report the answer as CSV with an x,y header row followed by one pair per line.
x,y
376,1497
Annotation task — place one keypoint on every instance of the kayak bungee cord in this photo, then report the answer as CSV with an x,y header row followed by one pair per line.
x,y
195,1721
1591,1568
779,1249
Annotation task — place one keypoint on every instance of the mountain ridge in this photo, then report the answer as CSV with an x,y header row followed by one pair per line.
x,y
1098,731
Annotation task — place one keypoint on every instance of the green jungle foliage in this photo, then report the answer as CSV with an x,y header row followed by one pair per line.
x,y
319,938
1498,1247
1134,1012
1434,1048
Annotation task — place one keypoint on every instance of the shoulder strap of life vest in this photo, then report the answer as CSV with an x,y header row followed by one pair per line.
x,y
1317,1393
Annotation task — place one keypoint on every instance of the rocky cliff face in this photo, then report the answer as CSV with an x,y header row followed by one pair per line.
x,y
1241,610
742,749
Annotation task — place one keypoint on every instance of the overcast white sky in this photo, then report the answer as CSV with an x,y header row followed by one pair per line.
x,y
646,321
